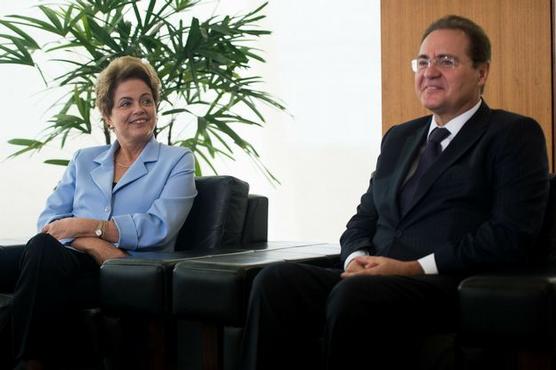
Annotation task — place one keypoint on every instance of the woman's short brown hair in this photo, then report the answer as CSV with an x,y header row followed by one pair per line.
x,y
119,70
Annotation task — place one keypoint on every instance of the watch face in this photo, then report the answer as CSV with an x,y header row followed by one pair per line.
x,y
98,232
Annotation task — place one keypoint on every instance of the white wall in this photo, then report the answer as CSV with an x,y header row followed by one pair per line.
x,y
323,61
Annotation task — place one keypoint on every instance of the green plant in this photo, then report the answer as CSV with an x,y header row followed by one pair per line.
x,y
203,67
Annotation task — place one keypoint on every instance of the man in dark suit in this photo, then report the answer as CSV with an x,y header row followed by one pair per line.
x,y
458,192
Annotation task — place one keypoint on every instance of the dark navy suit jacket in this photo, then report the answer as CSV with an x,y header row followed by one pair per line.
x,y
478,208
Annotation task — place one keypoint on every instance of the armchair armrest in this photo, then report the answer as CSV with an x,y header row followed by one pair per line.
x,y
508,310
141,284
216,288
255,228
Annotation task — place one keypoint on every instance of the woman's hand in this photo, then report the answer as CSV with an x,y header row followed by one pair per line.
x,y
71,227
97,248
78,227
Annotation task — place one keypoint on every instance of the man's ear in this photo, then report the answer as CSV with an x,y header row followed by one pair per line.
x,y
483,69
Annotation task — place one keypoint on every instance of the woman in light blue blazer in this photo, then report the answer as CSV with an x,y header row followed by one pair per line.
x,y
112,201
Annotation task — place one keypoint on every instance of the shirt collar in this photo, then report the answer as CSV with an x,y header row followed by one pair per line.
x,y
456,123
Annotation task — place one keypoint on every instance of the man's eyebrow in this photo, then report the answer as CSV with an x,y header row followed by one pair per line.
x,y
425,56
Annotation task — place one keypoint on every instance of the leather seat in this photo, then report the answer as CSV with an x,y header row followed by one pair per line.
x,y
216,223
515,314
136,297
135,321
214,291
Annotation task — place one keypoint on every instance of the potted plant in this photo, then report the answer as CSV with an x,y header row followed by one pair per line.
x,y
203,65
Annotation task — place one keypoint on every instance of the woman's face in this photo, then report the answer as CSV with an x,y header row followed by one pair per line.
x,y
133,116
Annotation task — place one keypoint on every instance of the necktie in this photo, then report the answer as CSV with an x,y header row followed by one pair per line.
x,y
429,155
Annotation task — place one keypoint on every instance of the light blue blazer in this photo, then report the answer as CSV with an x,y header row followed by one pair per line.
x,y
149,203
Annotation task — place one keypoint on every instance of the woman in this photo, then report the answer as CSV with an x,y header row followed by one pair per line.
x,y
112,201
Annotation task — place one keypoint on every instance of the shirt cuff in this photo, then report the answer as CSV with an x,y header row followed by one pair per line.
x,y
353,255
428,264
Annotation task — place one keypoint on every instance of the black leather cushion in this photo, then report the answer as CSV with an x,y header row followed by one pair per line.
x,y
545,253
5,299
141,284
218,214
216,288
508,311
255,229
217,294
135,286
515,310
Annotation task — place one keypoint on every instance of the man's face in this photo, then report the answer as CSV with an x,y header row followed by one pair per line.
x,y
445,91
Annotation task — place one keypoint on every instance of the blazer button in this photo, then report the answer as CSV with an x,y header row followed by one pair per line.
x,y
398,233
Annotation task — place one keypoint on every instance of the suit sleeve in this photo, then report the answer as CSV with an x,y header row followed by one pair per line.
x,y
162,221
60,203
361,228
520,191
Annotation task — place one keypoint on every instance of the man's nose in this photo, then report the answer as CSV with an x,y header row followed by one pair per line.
x,y
431,71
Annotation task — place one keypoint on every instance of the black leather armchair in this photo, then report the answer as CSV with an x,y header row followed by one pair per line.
x,y
512,317
223,216
135,320
136,292
512,314
213,291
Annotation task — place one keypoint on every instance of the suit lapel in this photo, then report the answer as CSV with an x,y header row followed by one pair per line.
x,y
139,169
103,175
409,151
469,134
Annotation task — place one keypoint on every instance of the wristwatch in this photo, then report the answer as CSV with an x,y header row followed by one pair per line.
x,y
99,232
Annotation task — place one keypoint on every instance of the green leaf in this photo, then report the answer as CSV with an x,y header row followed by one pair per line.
x,y
68,122
246,19
24,142
28,145
33,22
13,57
83,37
102,35
193,39
53,17
57,162
174,111
28,40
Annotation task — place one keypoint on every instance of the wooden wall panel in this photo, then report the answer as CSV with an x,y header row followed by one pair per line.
x,y
520,77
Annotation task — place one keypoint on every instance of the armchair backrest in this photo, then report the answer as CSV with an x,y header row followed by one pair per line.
x,y
217,217
546,253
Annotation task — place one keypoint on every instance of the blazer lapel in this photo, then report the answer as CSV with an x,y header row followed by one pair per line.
x,y
409,151
138,169
103,175
469,134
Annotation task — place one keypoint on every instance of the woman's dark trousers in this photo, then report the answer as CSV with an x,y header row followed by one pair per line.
x,y
49,284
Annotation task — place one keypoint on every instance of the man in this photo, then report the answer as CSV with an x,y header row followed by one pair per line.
x,y
458,192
